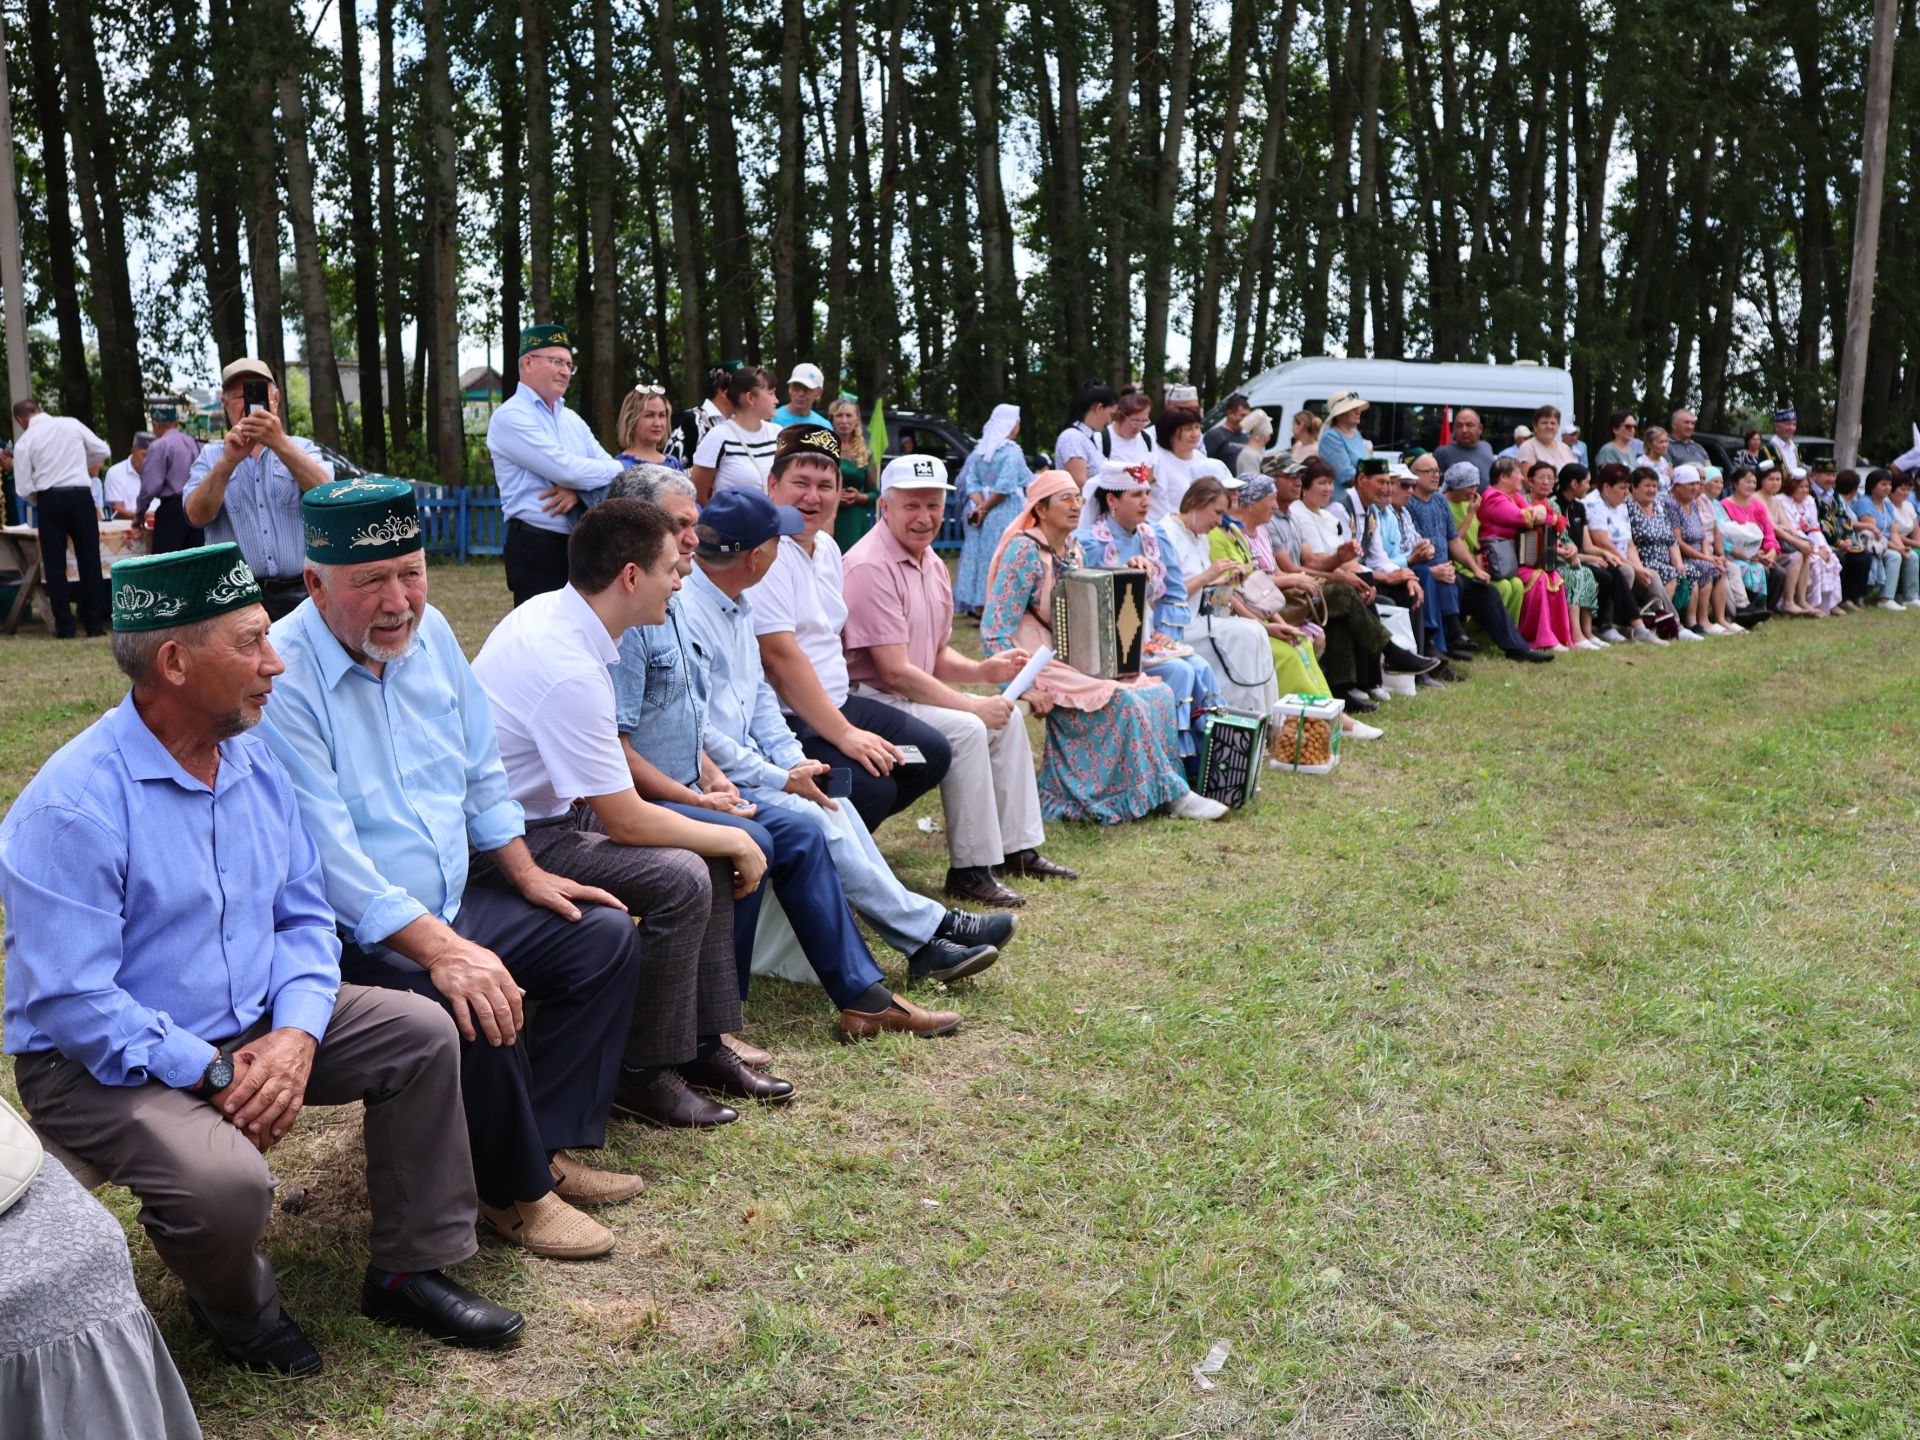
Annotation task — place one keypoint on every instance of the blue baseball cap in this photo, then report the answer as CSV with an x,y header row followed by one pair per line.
x,y
739,520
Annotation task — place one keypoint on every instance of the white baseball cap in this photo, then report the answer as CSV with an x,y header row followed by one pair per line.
x,y
807,374
914,472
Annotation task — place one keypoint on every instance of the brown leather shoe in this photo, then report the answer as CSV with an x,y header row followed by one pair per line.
x,y
551,1227
976,883
902,1017
578,1183
725,1073
1032,865
750,1054
666,1101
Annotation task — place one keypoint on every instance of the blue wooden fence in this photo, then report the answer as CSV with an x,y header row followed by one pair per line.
x,y
459,521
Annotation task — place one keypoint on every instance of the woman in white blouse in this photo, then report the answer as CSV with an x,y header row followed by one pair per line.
x,y
737,453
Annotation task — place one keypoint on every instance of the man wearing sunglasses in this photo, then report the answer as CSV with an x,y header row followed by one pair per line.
x,y
544,456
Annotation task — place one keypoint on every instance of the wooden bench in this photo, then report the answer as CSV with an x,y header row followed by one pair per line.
x,y
88,1174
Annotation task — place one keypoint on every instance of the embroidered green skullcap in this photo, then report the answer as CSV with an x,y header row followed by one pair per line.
x,y
539,337
1372,465
158,592
165,414
350,522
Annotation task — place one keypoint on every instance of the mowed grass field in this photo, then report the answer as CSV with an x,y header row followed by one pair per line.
x,y
1550,1069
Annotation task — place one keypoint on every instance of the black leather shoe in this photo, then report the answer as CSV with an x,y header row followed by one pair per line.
x,y
940,959
666,1101
964,928
1459,645
1405,662
1529,657
1446,673
1358,704
1032,865
1427,682
725,1073
430,1302
977,883
283,1350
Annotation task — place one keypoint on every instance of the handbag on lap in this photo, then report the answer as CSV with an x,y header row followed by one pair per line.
x,y
21,1156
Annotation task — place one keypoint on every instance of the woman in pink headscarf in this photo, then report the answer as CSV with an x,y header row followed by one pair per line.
x,y
1112,754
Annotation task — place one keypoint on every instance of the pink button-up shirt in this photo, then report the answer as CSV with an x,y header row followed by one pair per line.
x,y
894,598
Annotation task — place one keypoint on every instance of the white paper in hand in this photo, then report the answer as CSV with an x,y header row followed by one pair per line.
x,y
1029,672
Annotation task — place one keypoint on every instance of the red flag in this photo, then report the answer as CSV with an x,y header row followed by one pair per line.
x,y
1446,426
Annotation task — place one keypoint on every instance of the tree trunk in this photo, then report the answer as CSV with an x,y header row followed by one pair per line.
x,y
847,105
1069,163
1120,195
604,334
1259,233
999,296
788,187
1363,278
215,203
534,45
684,192
401,412
102,222
1203,360
1866,241
262,201
323,379
366,264
513,255
1165,192
442,243
76,383
732,249
885,309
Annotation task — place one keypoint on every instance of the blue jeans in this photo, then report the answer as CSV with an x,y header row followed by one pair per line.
x,y
803,876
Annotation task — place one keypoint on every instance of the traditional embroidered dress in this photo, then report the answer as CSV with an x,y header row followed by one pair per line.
x,y
1111,753
996,467
1544,619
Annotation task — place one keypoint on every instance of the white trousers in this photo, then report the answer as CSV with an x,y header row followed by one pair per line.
x,y
990,794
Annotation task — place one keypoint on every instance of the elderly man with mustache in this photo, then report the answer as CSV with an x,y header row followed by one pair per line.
x,y
392,749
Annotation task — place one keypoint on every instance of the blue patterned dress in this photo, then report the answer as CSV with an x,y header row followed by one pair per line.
x,y
1111,763
1003,473
1195,688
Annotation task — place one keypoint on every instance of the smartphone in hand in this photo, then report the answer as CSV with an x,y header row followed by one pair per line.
x,y
839,783
254,395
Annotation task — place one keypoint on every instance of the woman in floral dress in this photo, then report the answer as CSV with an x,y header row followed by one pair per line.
x,y
1112,753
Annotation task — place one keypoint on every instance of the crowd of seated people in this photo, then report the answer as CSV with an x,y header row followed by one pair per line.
x,y
510,903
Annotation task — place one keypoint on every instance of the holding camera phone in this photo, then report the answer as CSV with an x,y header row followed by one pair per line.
x,y
253,396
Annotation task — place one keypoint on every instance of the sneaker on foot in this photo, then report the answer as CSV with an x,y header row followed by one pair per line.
x,y
1612,636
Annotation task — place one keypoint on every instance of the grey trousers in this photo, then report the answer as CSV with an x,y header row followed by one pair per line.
x,y
684,905
204,1191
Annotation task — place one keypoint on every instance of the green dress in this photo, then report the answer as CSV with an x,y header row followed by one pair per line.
x,y
853,521
1296,668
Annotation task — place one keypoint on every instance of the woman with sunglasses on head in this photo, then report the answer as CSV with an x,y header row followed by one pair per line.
x,y
645,418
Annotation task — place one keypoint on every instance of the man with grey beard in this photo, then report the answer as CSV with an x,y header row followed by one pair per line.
x,y
390,743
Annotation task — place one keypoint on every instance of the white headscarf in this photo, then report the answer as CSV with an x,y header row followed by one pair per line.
x,y
999,429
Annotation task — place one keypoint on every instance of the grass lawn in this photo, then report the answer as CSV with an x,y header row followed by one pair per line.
x,y
1550,1069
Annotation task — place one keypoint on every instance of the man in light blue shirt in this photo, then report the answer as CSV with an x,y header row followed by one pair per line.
x,y
805,387
173,991
247,489
391,746
749,739
546,462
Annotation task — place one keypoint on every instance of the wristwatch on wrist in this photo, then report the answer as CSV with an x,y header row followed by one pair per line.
x,y
217,1076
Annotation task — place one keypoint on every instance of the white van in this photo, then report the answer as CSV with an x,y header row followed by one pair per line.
x,y
1407,398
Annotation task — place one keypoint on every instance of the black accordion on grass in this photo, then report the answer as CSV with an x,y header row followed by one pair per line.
x,y
1233,756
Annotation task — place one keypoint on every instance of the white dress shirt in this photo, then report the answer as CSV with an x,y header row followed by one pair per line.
x,y
805,597
544,669
56,451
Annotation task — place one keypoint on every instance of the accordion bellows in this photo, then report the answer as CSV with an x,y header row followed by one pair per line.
x,y
1233,757
1100,621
